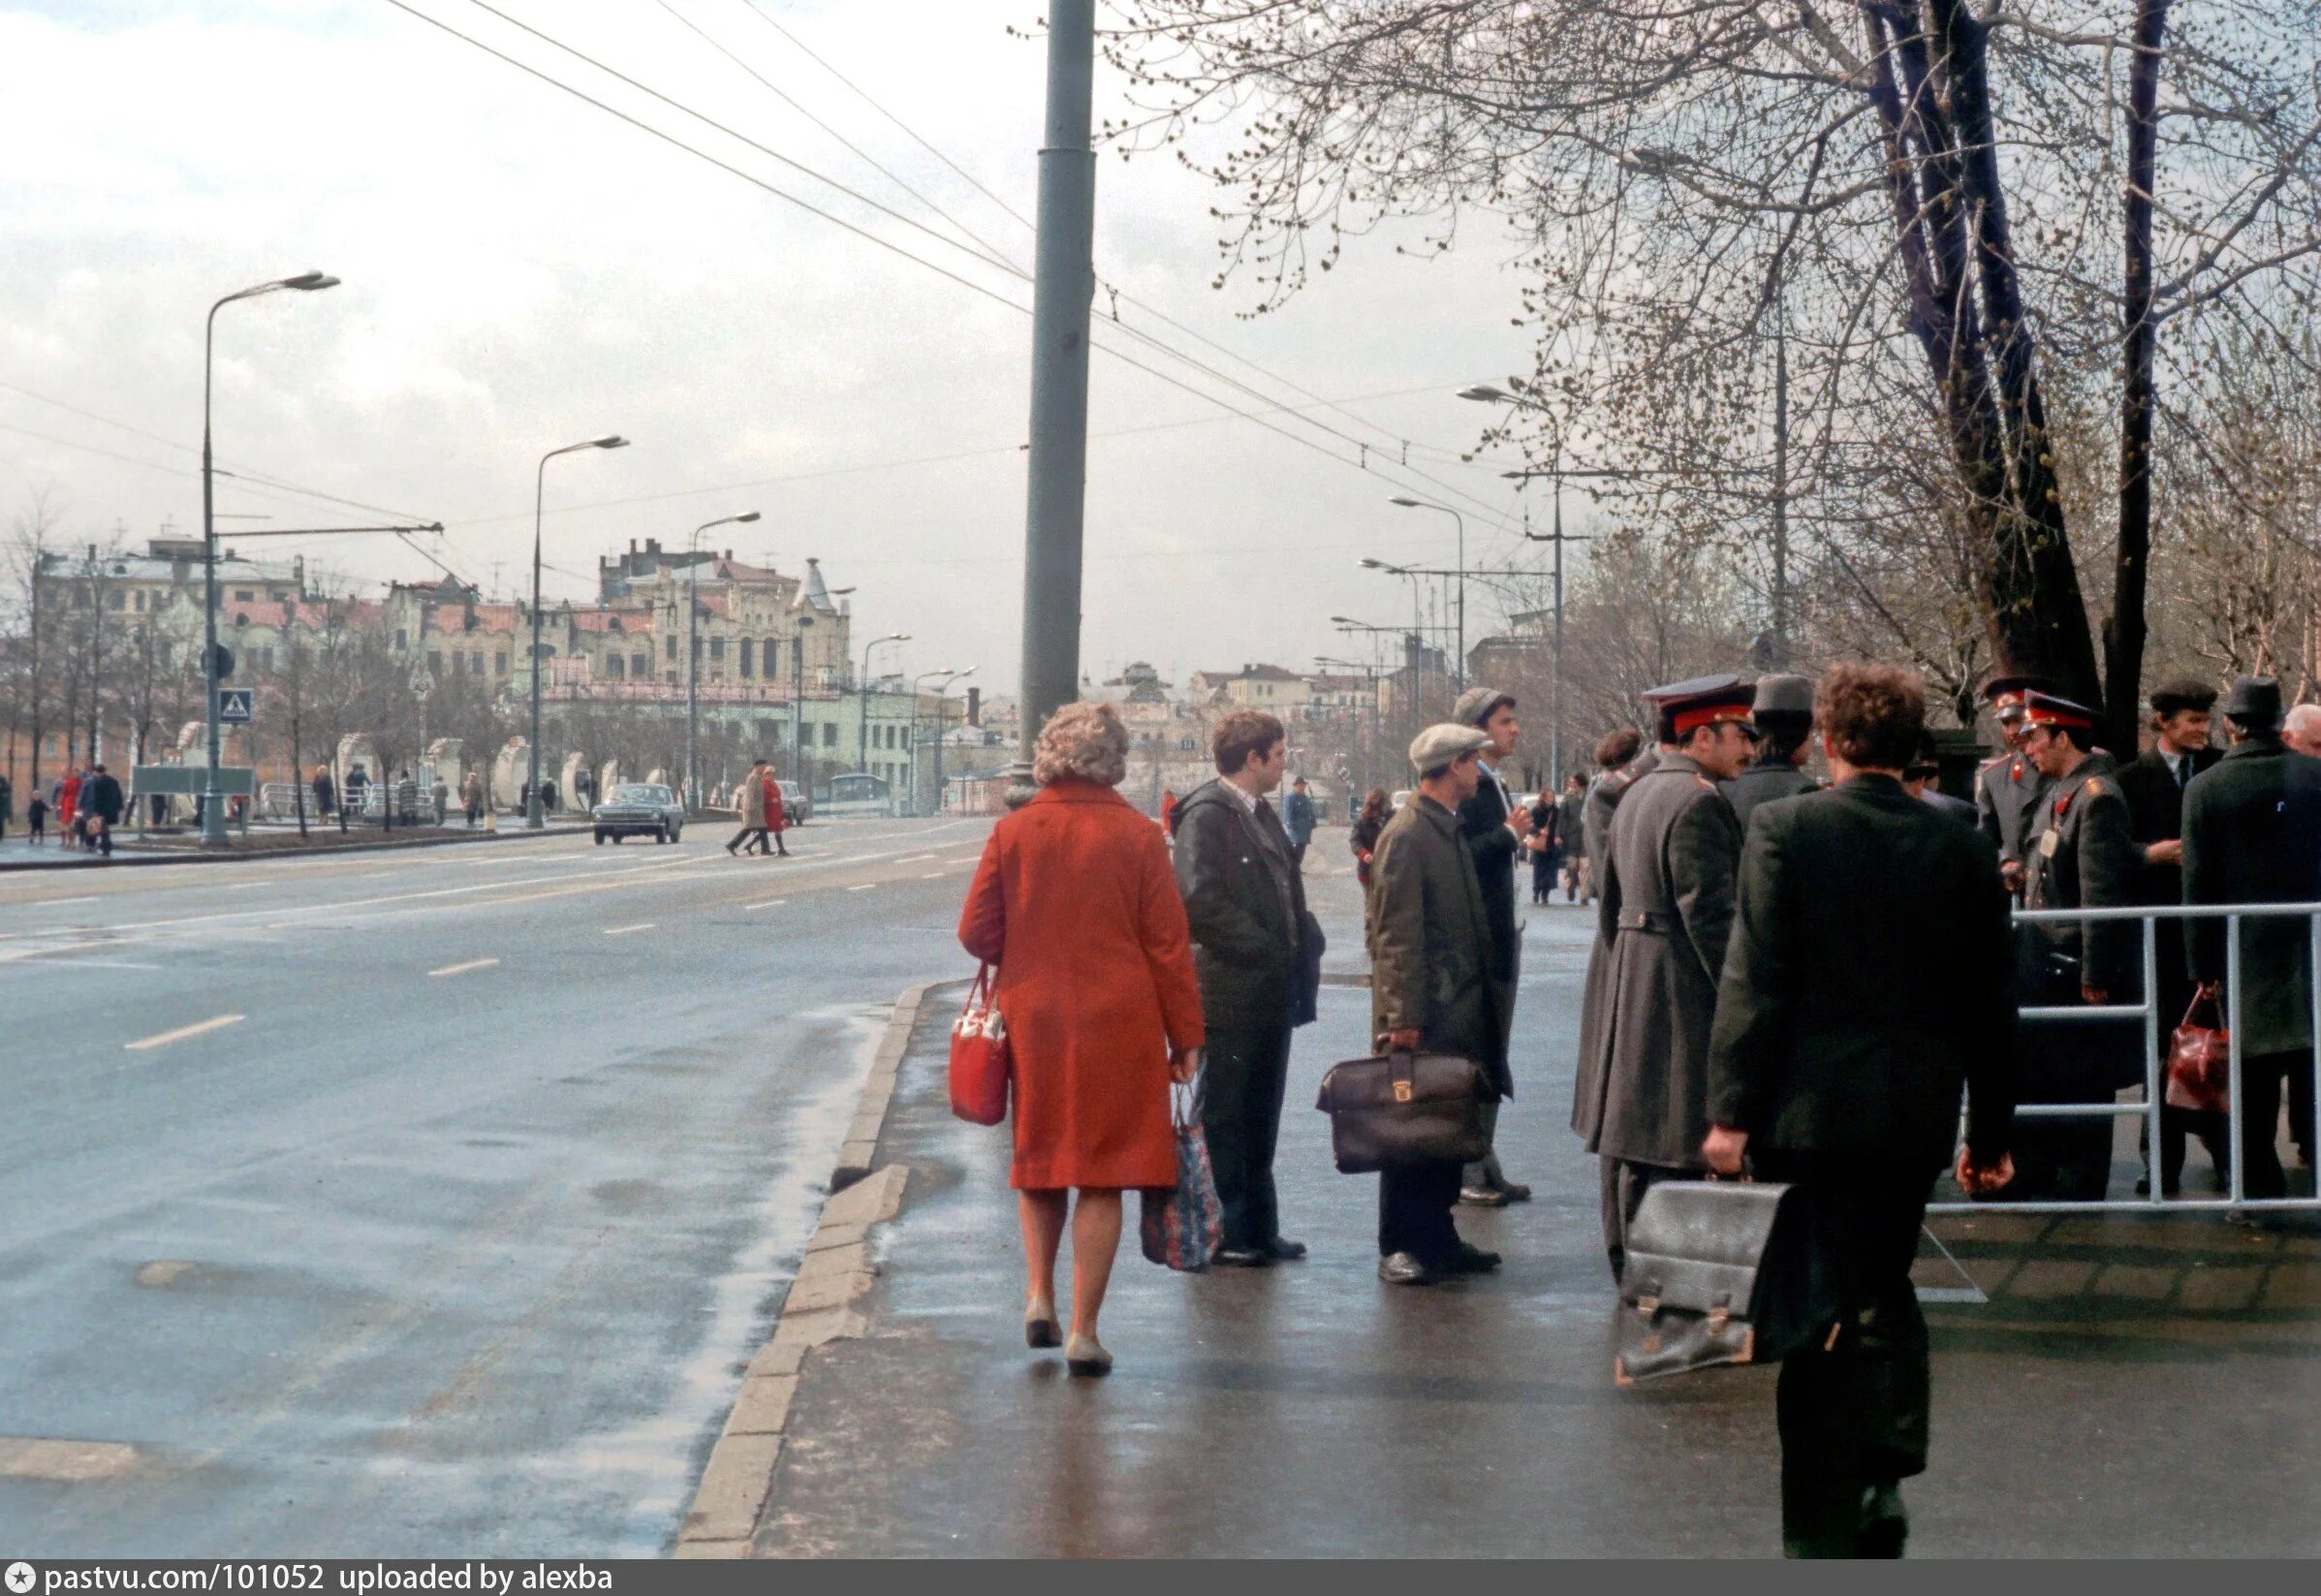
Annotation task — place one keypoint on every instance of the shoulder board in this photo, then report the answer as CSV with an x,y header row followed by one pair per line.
x,y
2095,788
1704,781
1995,760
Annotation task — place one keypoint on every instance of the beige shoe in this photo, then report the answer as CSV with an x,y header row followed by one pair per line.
x,y
1084,1356
1039,1328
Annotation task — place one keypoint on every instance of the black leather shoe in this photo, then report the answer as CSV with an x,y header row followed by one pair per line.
x,y
1405,1268
1286,1250
1885,1527
1242,1258
1515,1191
1470,1259
1483,1197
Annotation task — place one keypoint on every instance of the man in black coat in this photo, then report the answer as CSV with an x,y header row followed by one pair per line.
x,y
2253,835
1783,715
2153,784
101,800
1495,828
1867,981
1244,901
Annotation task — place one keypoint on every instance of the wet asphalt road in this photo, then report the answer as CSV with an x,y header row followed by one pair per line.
x,y
2133,1386
453,1238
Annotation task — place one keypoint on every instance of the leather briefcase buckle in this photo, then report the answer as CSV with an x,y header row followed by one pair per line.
x,y
1401,1091
1718,1317
1647,1306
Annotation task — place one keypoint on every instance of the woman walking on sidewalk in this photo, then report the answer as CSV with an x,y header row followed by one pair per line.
x,y
1077,906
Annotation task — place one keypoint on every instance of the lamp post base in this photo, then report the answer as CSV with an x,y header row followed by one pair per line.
x,y
535,814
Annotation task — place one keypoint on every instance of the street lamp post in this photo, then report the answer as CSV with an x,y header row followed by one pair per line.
x,y
861,744
693,654
1460,670
213,809
941,726
535,812
917,683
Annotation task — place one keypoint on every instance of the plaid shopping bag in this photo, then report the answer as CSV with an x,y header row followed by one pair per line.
x,y
1182,1226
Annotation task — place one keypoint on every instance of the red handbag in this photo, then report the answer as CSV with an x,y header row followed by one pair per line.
x,y
2200,1061
980,1062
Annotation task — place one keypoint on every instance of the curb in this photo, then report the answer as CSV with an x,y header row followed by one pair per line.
x,y
822,1305
197,855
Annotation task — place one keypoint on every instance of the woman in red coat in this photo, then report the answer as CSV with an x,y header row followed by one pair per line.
x,y
776,822
1076,904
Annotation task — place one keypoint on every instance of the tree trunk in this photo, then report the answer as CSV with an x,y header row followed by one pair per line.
x,y
2125,630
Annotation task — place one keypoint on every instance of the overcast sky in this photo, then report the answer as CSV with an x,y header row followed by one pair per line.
x,y
522,271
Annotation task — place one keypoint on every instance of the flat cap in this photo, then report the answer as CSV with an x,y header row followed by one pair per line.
x,y
1478,705
1784,698
2253,701
1438,746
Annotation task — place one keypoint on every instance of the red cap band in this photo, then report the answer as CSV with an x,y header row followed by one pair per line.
x,y
1689,721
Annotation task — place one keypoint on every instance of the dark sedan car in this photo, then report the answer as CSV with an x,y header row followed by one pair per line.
x,y
639,809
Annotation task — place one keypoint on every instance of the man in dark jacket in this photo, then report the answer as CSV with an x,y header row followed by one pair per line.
x,y
1641,1101
2253,835
1571,830
1298,821
1919,779
1868,979
1431,988
2154,785
1495,828
1245,903
2081,858
1783,715
101,800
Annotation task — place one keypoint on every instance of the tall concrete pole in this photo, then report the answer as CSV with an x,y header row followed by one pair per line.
x,y
1063,286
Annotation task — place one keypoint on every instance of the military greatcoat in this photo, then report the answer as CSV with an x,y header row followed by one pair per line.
x,y
1604,795
1669,874
2007,790
2084,856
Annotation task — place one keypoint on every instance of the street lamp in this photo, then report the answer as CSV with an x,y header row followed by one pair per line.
x,y
1429,504
942,725
213,809
862,745
917,683
1417,608
535,812
693,653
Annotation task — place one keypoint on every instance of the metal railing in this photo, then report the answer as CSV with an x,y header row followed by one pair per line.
x,y
2235,916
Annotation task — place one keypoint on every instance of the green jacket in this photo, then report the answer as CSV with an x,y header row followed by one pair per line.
x,y
2253,835
1867,979
1430,943
2082,855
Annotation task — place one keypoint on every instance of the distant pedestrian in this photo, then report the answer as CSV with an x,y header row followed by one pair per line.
x,y
105,803
1376,810
1571,827
8,805
777,815
1621,759
2253,835
439,795
323,796
1298,819
547,795
1432,988
406,797
36,821
1495,829
1168,814
1076,904
1782,712
1244,901
471,797
359,783
1545,845
750,800
67,805
1868,978
1670,862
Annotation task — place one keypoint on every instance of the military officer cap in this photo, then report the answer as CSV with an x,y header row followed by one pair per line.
x,y
1438,747
1784,702
1704,700
1478,705
2053,709
2005,695
2254,702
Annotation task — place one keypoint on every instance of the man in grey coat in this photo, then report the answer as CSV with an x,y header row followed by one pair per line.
x,y
1669,866
2007,790
1432,988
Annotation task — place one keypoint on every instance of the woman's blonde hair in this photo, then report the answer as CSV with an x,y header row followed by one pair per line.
x,y
1081,743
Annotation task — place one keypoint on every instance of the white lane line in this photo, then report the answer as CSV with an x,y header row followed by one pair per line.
x,y
934,875
866,886
376,875
241,886
769,903
68,963
918,859
462,969
183,1032
624,931
60,902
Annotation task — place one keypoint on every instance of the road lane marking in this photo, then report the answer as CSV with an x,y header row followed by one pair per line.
x,y
462,969
376,875
866,886
182,1033
241,886
769,903
934,875
73,1463
60,902
918,859
624,931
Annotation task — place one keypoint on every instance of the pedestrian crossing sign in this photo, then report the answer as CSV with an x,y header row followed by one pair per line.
x,y
233,706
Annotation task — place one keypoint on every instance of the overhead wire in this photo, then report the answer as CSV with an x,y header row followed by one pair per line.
x,y
1359,462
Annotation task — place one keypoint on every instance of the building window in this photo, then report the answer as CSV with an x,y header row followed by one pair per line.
x,y
141,601
829,734
717,649
499,662
116,600
401,639
612,665
670,648
774,659
640,666
435,662
244,595
749,648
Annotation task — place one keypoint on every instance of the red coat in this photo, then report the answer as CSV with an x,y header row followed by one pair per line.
x,y
775,820
1076,904
67,798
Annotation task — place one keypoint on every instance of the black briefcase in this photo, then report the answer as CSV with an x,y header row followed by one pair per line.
x,y
1717,1274
1403,1108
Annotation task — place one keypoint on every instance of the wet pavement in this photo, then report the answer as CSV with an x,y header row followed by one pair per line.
x,y
2133,1386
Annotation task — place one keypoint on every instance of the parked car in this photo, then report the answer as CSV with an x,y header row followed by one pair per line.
x,y
798,806
639,809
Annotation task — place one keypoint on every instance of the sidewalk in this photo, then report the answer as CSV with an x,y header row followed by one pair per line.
x,y
2133,1388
